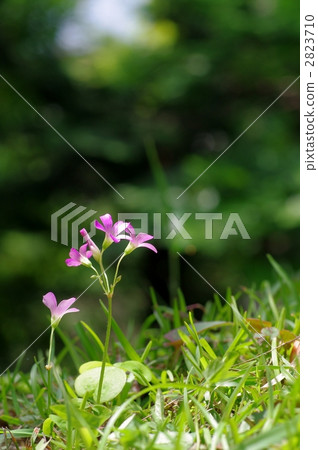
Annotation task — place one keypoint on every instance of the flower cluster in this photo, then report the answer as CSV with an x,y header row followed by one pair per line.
x,y
113,233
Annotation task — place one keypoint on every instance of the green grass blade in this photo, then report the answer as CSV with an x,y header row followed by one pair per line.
x,y
230,404
94,335
269,438
130,351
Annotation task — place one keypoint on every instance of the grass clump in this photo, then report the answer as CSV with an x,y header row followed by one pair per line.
x,y
224,375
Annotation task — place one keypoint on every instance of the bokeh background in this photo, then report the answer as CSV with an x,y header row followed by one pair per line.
x,y
150,92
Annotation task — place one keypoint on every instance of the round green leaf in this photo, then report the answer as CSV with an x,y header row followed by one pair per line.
x,y
113,382
142,373
89,365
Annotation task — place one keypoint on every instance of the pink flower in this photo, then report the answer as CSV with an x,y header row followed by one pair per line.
x,y
92,246
79,257
58,310
113,233
139,241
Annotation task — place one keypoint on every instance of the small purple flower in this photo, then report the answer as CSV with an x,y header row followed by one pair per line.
x,y
113,232
139,241
58,310
78,257
92,246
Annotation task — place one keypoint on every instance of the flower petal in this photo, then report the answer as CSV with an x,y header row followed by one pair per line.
x,y
92,246
124,236
72,262
114,238
49,300
150,246
120,226
71,310
63,306
83,250
99,226
85,234
131,230
107,222
74,254
142,237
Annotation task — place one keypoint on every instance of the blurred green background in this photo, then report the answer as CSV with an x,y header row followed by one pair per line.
x,y
150,93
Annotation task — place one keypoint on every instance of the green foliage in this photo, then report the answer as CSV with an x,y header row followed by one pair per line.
x,y
113,383
193,79
232,383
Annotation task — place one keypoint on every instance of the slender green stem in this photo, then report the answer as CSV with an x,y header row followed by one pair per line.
x,y
109,291
105,353
99,277
93,268
109,324
104,277
49,390
116,272
49,367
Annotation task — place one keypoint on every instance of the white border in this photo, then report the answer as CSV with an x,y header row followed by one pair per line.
x,y
309,245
